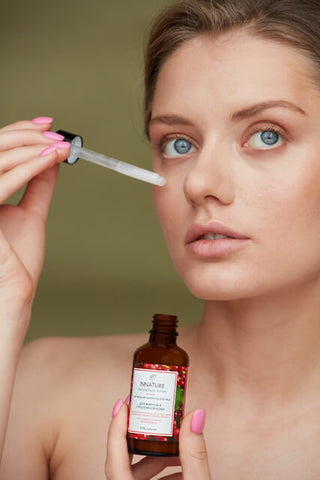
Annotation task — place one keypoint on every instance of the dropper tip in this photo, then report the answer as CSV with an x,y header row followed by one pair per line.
x,y
161,181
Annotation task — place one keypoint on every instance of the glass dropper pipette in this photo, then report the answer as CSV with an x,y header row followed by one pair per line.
x,y
77,151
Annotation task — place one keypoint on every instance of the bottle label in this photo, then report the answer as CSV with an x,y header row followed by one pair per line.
x,y
157,401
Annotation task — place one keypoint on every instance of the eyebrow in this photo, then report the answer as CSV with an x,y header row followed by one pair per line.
x,y
170,120
259,107
239,115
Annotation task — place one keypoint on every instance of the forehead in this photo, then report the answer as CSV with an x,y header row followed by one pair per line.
x,y
233,70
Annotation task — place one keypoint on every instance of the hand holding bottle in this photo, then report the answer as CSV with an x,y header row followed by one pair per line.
x,y
193,455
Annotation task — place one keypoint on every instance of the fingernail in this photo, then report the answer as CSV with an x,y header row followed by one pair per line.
x,y
198,421
127,400
42,120
117,407
53,136
61,145
47,151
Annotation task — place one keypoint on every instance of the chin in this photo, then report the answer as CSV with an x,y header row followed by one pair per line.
x,y
205,289
210,293
230,287
224,285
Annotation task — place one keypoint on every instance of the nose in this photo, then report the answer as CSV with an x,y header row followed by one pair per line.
x,y
210,176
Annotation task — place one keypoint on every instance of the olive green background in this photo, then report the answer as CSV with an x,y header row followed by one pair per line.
x,y
107,269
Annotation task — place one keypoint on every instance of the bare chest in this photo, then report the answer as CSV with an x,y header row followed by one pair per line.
x,y
256,455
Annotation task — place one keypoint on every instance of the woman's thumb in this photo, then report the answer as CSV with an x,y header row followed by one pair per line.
x,y
193,452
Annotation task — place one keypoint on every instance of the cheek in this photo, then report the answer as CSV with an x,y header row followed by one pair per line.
x,y
296,201
288,222
171,208
164,203
287,194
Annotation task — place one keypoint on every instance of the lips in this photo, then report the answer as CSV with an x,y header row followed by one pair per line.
x,y
211,231
213,240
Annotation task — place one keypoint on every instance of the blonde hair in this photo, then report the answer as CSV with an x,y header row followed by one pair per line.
x,y
293,22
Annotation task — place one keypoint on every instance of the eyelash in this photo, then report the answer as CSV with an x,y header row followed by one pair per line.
x,y
160,145
270,128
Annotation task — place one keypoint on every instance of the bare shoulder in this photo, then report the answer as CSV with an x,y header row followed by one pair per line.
x,y
66,357
60,367
54,365
63,357
62,385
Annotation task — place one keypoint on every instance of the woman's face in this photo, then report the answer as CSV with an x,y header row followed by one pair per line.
x,y
235,130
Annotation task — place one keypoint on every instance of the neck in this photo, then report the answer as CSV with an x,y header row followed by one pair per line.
x,y
262,349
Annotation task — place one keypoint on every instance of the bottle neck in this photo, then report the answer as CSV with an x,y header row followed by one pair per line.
x,y
159,338
164,330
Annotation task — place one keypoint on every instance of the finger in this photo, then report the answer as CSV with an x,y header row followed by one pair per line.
x,y
12,158
193,454
16,178
23,137
38,194
118,461
173,476
150,466
45,124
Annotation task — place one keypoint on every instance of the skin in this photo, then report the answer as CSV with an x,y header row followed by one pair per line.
x,y
22,237
255,353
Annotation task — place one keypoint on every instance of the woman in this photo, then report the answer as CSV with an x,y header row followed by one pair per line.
x,y
232,113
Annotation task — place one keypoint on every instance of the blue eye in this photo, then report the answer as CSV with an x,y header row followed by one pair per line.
x,y
178,146
265,139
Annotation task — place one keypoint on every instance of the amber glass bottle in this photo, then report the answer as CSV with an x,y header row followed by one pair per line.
x,y
157,399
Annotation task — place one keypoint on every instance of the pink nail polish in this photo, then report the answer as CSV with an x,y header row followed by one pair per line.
x,y
127,400
61,145
198,421
117,407
42,120
47,151
53,136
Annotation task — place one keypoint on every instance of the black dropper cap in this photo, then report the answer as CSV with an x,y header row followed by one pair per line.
x,y
73,139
